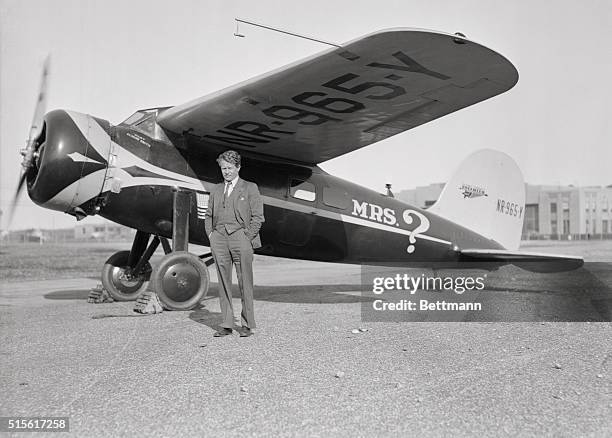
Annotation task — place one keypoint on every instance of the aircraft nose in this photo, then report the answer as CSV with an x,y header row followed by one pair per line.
x,y
70,168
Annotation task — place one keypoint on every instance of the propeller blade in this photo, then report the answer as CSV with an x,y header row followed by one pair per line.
x,y
41,103
20,185
37,120
35,129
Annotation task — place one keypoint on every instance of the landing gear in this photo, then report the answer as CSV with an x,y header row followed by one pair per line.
x,y
121,281
126,274
181,280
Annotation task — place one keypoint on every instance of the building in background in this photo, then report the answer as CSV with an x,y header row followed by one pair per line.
x,y
422,196
31,235
108,232
551,212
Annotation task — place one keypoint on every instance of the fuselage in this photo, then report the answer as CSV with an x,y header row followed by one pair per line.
x,y
128,173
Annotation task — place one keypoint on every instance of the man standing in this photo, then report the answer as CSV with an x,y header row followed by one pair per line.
x,y
232,222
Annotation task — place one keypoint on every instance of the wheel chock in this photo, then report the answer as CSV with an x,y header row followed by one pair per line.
x,y
99,295
148,303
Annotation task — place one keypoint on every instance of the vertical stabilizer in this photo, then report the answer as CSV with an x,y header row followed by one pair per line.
x,y
487,195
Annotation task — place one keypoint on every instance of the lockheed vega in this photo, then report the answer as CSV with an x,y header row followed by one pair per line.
x,y
154,171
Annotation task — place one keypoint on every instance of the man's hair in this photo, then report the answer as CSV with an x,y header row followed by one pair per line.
x,y
232,157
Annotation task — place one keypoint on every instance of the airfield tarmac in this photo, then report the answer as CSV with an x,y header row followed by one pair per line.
x,y
305,372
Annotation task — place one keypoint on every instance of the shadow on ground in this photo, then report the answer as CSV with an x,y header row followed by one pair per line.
x,y
310,294
71,294
203,316
511,294
584,294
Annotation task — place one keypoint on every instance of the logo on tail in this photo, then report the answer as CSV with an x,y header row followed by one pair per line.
x,y
469,191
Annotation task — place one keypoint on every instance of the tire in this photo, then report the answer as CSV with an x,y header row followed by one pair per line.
x,y
181,281
115,281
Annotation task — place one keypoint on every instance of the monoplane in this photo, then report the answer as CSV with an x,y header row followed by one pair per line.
x,y
154,171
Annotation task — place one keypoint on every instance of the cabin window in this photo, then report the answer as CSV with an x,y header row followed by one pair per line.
x,y
145,121
147,126
134,118
336,198
302,190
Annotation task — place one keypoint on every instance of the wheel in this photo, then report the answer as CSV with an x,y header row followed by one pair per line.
x,y
181,280
119,281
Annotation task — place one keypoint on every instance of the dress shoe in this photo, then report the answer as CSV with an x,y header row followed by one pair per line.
x,y
223,331
245,332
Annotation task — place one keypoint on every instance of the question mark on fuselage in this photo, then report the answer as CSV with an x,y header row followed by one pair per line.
x,y
423,226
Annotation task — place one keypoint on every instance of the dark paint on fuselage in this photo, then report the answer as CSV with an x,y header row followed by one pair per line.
x,y
294,228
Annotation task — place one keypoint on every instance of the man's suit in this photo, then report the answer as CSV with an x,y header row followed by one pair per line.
x,y
232,224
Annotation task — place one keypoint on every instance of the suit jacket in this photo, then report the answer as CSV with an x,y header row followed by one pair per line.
x,y
247,205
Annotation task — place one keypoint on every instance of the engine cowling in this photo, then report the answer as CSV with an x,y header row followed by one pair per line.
x,y
70,162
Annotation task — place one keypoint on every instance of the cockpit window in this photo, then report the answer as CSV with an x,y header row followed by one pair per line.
x,y
133,118
145,122
147,126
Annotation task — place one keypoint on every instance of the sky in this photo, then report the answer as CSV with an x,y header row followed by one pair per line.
x,y
110,58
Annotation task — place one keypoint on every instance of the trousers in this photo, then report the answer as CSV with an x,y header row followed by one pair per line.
x,y
229,250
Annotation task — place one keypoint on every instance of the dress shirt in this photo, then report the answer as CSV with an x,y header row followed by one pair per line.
x,y
232,184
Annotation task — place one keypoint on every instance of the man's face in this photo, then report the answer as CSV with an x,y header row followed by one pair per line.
x,y
228,170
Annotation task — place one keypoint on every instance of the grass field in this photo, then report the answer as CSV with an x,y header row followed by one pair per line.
x,y
31,261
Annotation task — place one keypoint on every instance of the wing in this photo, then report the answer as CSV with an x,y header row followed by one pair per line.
x,y
346,98
529,261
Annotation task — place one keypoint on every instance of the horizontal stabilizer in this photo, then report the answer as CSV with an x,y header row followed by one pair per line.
x,y
530,261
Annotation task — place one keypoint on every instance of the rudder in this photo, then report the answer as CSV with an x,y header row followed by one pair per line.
x,y
487,195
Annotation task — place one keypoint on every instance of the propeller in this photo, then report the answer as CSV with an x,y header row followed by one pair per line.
x,y
31,153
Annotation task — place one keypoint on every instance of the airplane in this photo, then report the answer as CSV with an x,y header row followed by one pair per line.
x,y
155,170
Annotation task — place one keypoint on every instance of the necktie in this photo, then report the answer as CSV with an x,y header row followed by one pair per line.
x,y
226,192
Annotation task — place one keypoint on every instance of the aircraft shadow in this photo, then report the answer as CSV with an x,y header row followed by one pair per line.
x,y
574,294
306,294
309,294
71,294
581,295
515,295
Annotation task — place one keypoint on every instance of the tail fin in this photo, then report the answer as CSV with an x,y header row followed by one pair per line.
x,y
487,195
